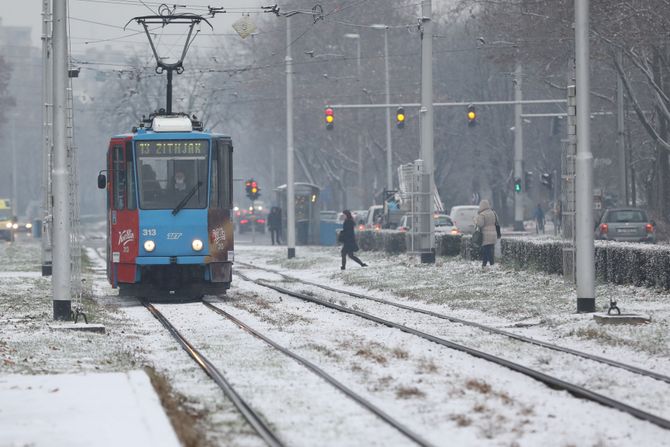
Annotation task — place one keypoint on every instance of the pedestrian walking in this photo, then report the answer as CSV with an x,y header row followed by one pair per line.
x,y
487,221
275,224
348,239
538,215
558,217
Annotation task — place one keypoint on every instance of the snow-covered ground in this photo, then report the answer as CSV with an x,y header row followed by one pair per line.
x,y
447,397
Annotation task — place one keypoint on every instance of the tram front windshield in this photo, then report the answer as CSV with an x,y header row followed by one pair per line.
x,y
171,170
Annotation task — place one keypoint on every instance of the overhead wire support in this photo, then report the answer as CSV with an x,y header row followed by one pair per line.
x,y
168,17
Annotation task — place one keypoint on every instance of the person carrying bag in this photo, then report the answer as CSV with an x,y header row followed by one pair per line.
x,y
489,232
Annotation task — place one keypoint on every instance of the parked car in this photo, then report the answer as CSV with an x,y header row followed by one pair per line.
x,y
443,224
463,217
626,225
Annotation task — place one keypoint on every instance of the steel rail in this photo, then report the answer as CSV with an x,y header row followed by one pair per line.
x,y
550,381
327,377
247,412
544,344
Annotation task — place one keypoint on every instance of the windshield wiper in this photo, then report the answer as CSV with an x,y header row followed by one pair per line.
x,y
185,200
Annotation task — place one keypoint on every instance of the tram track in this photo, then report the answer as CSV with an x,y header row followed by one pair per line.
x,y
408,433
253,418
483,327
549,380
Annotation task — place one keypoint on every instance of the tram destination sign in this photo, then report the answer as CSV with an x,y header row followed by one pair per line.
x,y
172,148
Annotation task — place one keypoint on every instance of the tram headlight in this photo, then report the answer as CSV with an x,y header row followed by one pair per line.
x,y
15,226
29,226
196,244
149,245
9,225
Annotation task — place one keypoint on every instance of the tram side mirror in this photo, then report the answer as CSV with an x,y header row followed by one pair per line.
x,y
102,181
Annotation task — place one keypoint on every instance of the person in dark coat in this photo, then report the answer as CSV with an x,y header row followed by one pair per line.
x,y
486,220
538,215
348,239
274,223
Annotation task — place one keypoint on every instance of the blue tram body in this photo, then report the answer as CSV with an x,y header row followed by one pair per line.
x,y
169,208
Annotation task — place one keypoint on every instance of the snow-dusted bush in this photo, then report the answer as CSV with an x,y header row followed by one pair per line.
x,y
543,255
366,240
618,263
448,244
469,251
395,242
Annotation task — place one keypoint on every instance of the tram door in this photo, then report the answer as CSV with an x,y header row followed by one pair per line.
x,y
122,240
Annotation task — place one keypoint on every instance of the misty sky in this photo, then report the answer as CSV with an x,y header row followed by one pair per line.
x,y
110,17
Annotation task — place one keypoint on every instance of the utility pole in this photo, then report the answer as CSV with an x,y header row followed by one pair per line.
x,y
586,301
361,189
426,113
621,143
520,196
290,193
47,102
61,221
389,150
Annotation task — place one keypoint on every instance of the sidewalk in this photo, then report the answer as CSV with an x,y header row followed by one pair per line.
x,y
104,409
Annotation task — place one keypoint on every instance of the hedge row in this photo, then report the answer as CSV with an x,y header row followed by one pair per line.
x,y
395,242
618,263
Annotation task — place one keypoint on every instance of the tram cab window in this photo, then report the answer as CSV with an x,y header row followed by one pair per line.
x,y
169,170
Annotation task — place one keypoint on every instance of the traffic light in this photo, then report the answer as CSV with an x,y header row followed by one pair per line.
x,y
330,119
517,184
547,180
400,118
252,189
528,179
472,116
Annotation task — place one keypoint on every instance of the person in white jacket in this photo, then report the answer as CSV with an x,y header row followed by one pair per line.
x,y
486,220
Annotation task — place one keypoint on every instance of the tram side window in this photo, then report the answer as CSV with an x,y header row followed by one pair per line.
x,y
214,195
130,177
118,165
225,174
221,176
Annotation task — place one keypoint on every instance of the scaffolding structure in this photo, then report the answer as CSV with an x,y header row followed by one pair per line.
x,y
415,201
568,177
75,231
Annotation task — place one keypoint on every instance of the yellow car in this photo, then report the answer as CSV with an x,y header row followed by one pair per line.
x,y
7,220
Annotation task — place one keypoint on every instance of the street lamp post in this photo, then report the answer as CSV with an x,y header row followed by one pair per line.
x,y
290,193
361,189
290,185
389,153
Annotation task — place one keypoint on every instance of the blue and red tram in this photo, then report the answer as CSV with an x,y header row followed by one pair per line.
x,y
169,210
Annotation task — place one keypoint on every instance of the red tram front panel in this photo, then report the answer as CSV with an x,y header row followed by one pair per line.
x,y
123,225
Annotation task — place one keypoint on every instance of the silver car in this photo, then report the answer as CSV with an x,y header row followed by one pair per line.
x,y
626,225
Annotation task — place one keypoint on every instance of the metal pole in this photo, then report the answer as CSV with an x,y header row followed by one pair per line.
x,y
621,143
290,193
389,152
47,72
519,197
169,92
586,301
361,188
427,123
15,171
61,222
